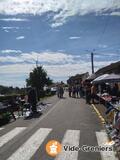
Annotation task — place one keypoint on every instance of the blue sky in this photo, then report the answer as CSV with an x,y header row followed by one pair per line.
x,y
60,34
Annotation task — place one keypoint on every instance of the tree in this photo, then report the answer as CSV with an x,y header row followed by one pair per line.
x,y
38,78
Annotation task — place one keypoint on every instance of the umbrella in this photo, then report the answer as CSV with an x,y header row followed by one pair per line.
x,y
107,78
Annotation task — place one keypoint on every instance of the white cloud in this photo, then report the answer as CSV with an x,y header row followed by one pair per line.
x,y
61,50
62,9
13,19
13,28
49,58
20,37
16,68
69,69
46,57
10,59
10,27
61,70
53,61
115,13
6,30
11,51
102,46
57,65
56,24
72,38
13,82
15,79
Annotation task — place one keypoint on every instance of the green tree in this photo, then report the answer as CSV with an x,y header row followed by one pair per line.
x,y
38,78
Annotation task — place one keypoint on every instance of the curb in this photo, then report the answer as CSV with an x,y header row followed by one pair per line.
x,y
99,114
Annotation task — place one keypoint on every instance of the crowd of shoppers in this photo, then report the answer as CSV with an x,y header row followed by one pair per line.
x,y
89,90
75,91
84,89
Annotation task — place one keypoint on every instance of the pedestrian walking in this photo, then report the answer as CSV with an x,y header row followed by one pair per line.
x,y
70,91
93,93
61,91
88,93
74,91
80,90
58,91
77,91
32,99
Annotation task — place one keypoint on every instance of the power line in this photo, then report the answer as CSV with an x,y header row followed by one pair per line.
x,y
110,47
104,30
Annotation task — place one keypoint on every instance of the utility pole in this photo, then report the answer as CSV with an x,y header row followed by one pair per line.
x,y
37,90
37,62
92,62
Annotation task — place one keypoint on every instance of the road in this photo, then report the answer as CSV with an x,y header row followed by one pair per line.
x,y
68,120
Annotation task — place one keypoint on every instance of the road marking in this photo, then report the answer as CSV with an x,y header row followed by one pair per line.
x,y
1,128
99,114
71,138
102,139
10,135
27,150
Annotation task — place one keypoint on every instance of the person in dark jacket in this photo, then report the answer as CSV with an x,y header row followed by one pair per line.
x,y
88,93
32,99
61,91
70,91
93,93
115,90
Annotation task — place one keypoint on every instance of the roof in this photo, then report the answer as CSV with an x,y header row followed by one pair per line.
x,y
112,68
78,77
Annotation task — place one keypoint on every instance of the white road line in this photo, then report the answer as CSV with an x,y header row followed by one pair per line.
x,y
71,138
102,139
27,150
1,128
10,135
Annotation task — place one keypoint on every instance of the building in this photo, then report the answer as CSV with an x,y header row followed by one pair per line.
x,y
77,78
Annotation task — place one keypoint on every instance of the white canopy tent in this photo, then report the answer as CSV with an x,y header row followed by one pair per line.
x,y
107,78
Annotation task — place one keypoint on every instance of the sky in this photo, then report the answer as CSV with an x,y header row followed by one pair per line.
x,y
59,34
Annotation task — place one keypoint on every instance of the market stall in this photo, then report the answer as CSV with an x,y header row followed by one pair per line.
x,y
108,89
109,95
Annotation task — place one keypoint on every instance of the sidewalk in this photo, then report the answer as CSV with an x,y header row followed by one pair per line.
x,y
20,121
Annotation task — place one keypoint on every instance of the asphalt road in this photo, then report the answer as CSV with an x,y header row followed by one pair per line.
x,y
69,121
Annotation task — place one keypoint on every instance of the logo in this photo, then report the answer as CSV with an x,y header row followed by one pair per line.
x,y
53,148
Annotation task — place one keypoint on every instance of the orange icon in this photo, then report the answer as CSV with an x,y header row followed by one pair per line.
x,y
53,148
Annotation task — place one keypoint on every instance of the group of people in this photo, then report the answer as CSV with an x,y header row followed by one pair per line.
x,y
75,91
60,91
29,100
18,103
81,90
88,90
